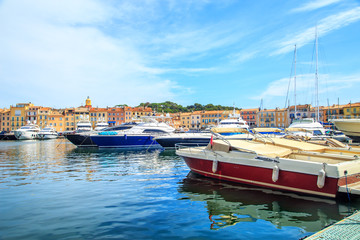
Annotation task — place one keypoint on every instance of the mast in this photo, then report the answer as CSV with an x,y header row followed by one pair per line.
x,y
316,78
295,80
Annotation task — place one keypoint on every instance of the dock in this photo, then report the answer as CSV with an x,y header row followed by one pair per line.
x,y
348,228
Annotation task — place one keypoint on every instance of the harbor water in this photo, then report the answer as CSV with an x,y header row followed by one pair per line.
x,y
53,190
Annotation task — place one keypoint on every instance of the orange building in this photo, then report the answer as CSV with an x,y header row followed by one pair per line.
x,y
117,116
249,115
98,115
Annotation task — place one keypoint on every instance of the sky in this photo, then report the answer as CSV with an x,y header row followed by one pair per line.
x,y
228,52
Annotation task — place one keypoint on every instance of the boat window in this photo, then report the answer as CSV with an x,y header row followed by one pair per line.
x,y
153,131
317,132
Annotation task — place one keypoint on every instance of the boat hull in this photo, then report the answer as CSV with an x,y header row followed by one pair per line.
x,y
125,141
47,136
350,127
7,136
261,176
80,140
23,135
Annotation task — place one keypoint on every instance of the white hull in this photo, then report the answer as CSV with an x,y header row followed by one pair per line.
x,y
22,135
47,136
350,127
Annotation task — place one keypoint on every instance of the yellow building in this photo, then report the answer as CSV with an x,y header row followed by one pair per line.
x,y
18,115
56,119
266,118
5,120
281,117
69,121
185,121
43,116
141,111
352,110
212,118
32,114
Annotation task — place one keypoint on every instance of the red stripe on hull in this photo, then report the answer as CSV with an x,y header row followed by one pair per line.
x,y
291,181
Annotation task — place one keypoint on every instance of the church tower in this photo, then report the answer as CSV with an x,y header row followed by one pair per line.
x,y
88,102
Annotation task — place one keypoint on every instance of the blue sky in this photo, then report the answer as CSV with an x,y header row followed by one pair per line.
x,y
56,53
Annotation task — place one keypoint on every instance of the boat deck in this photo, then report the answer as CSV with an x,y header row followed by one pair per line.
x,y
348,228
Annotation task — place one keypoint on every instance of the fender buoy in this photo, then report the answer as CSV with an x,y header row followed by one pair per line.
x,y
215,166
275,173
321,177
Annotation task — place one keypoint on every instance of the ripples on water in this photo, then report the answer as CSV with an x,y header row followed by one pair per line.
x,y
53,190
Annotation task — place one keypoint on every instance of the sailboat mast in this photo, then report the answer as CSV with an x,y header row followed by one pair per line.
x,y
295,80
316,78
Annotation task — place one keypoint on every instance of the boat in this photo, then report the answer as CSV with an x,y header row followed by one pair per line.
x,y
83,126
27,132
140,136
234,124
278,163
350,127
7,136
186,138
82,139
307,128
101,125
47,133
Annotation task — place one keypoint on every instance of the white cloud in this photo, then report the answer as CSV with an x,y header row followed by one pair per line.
x,y
56,50
324,27
330,87
313,5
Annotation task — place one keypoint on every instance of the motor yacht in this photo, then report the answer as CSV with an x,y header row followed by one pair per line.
x,y
350,127
307,128
47,133
27,132
139,136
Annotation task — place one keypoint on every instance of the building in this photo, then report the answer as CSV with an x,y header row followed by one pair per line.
x,y
18,115
43,116
250,116
141,111
117,115
98,115
213,118
281,117
266,118
69,120
352,110
5,122
56,120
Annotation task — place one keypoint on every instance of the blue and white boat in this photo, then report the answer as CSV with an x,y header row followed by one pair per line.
x,y
139,136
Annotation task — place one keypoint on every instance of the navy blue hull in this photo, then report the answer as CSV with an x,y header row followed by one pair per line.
x,y
124,141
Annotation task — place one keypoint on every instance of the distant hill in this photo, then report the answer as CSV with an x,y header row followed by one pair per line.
x,y
171,107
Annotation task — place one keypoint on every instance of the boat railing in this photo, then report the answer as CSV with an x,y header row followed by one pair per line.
x,y
189,147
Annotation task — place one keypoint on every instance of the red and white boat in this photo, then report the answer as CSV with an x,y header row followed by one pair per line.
x,y
278,163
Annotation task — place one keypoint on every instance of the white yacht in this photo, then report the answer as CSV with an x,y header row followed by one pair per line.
x,y
47,133
83,126
233,125
350,127
27,132
100,126
307,127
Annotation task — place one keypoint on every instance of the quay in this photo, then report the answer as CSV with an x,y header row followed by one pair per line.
x,y
348,228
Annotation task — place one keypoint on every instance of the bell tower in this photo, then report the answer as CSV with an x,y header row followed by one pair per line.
x,y
88,102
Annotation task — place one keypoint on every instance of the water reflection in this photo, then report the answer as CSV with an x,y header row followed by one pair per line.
x,y
26,162
228,204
